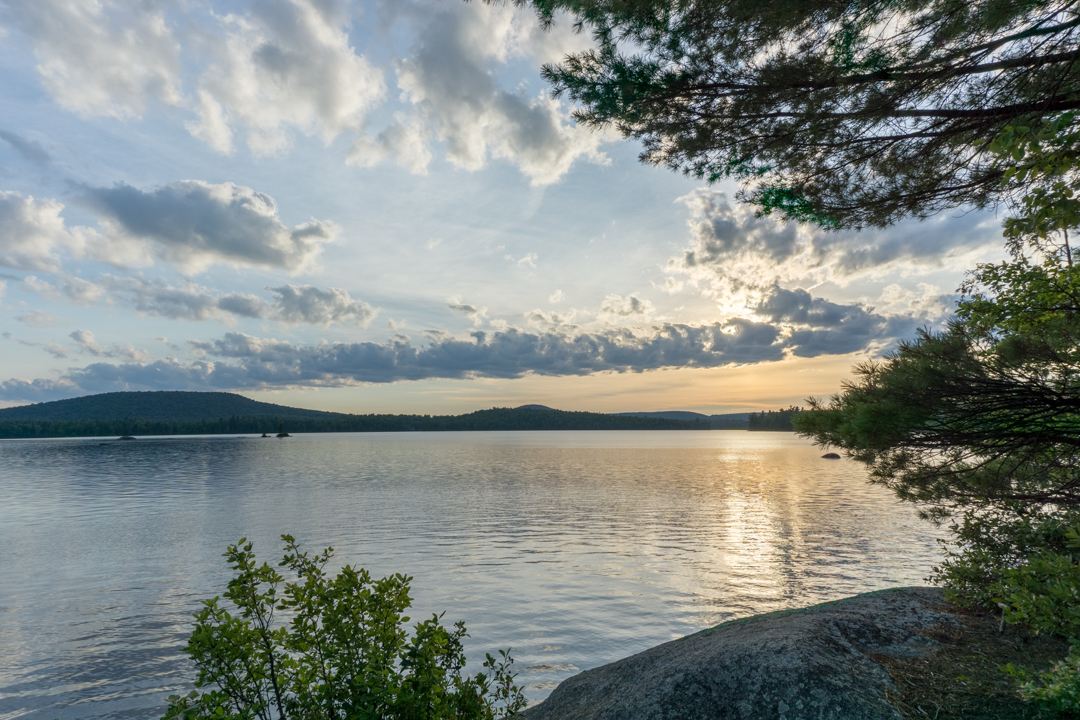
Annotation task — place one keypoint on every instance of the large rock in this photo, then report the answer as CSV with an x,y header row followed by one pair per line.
x,y
816,663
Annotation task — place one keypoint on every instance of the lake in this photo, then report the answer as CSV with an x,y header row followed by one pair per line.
x,y
572,548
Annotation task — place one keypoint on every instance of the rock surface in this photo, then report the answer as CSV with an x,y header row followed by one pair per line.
x,y
816,663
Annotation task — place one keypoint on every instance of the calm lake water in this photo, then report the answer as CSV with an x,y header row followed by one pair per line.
x,y
573,548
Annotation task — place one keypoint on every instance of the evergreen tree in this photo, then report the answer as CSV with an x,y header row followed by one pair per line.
x,y
846,113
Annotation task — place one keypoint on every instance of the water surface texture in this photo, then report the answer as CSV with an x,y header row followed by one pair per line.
x,y
573,548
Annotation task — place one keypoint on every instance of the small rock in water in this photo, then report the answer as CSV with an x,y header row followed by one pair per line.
x,y
831,456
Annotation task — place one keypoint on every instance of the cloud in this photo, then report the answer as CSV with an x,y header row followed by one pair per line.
x,y
628,306
102,58
265,70
40,390
57,351
195,224
731,250
284,64
821,327
33,235
448,79
476,314
39,319
87,345
28,149
84,340
792,322
555,320
312,306
556,297
291,304
191,223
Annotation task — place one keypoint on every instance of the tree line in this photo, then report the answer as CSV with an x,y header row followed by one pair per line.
x,y
780,420
493,419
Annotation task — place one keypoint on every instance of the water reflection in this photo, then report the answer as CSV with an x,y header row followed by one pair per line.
x,y
574,548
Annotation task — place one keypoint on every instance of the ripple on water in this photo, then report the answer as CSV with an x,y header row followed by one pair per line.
x,y
574,549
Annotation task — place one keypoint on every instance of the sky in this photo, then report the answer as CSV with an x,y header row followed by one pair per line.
x,y
379,207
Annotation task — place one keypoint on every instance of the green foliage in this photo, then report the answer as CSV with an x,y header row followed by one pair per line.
x,y
774,419
1056,690
981,422
314,422
845,114
987,413
344,652
168,406
987,546
1044,592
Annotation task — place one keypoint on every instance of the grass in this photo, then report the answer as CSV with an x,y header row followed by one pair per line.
x,y
961,679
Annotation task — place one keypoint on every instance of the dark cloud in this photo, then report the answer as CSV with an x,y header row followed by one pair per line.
x,y
297,304
821,327
794,323
721,231
28,149
195,224
243,361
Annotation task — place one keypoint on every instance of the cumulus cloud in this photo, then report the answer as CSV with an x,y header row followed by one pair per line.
x,y
87,345
33,235
821,327
790,323
448,79
310,305
191,223
290,304
731,250
195,224
554,320
628,306
476,314
105,57
260,72
284,64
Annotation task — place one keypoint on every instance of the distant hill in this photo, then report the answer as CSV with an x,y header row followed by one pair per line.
x,y
190,413
162,406
725,421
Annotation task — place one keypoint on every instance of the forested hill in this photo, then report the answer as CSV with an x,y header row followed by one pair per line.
x,y
726,421
189,413
163,406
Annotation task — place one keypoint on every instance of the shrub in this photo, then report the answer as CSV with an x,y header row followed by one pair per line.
x,y
1044,593
344,652
986,544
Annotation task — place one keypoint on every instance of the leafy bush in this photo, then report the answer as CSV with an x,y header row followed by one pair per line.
x,y
987,544
1044,593
344,652
1057,689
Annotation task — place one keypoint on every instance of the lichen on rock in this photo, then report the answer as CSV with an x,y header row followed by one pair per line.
x,y
815,663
